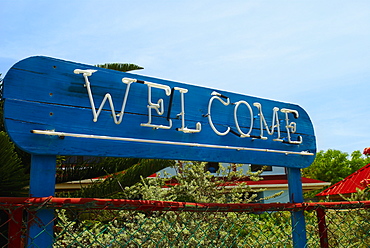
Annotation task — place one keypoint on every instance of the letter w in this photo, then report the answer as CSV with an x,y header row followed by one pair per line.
x,y
128,81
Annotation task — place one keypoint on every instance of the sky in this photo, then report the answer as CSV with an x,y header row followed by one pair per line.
x,y
312,53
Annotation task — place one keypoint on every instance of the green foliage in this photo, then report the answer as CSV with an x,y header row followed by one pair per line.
x,y
132,228
124,67
122,228
193,183
330,166
2,127
334,165
121,172
12,173
91,168
357,161
360,233
350,227
175,229
360,195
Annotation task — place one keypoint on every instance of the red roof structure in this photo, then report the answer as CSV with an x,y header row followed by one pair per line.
x,y
359,179
275,182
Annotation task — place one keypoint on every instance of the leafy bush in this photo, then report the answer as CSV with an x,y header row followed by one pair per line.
x,y
172,229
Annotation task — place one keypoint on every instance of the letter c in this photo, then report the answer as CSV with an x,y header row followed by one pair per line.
x,y
227,102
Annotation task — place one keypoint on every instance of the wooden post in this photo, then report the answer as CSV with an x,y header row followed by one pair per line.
x,y
296,196
42,184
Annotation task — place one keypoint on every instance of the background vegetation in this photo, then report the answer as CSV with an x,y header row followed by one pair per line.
x,y
333,166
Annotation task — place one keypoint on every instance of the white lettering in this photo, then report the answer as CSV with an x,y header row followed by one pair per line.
x,y
159,106
182,114
227,102
291,126
128,81
242,134
263,123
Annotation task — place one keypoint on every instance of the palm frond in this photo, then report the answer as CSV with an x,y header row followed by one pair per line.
x,y
116,182
124,67
2,126
1,87
12,173
92,168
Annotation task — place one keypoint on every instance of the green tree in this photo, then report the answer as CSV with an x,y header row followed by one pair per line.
x,y
124,67
330,166
357,161
13,178
334,165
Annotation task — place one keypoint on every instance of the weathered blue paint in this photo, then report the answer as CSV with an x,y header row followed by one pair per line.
x,y
296,196
43,93
42,184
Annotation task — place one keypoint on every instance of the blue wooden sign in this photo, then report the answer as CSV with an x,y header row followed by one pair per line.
x,y
56,107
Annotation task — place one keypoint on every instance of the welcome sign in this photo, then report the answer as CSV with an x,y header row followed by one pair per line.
x,y
56,107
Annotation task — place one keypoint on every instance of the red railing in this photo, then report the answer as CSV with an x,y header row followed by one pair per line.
x,y
17,207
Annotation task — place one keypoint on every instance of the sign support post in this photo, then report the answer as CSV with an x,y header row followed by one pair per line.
x,y
296,196
42,184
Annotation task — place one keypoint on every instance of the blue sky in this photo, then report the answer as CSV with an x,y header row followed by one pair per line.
x,y
312,53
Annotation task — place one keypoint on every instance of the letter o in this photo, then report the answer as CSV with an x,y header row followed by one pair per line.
x,y
242,134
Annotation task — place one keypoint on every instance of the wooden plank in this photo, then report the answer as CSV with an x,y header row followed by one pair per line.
x,y
42,184
44,93
297,217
